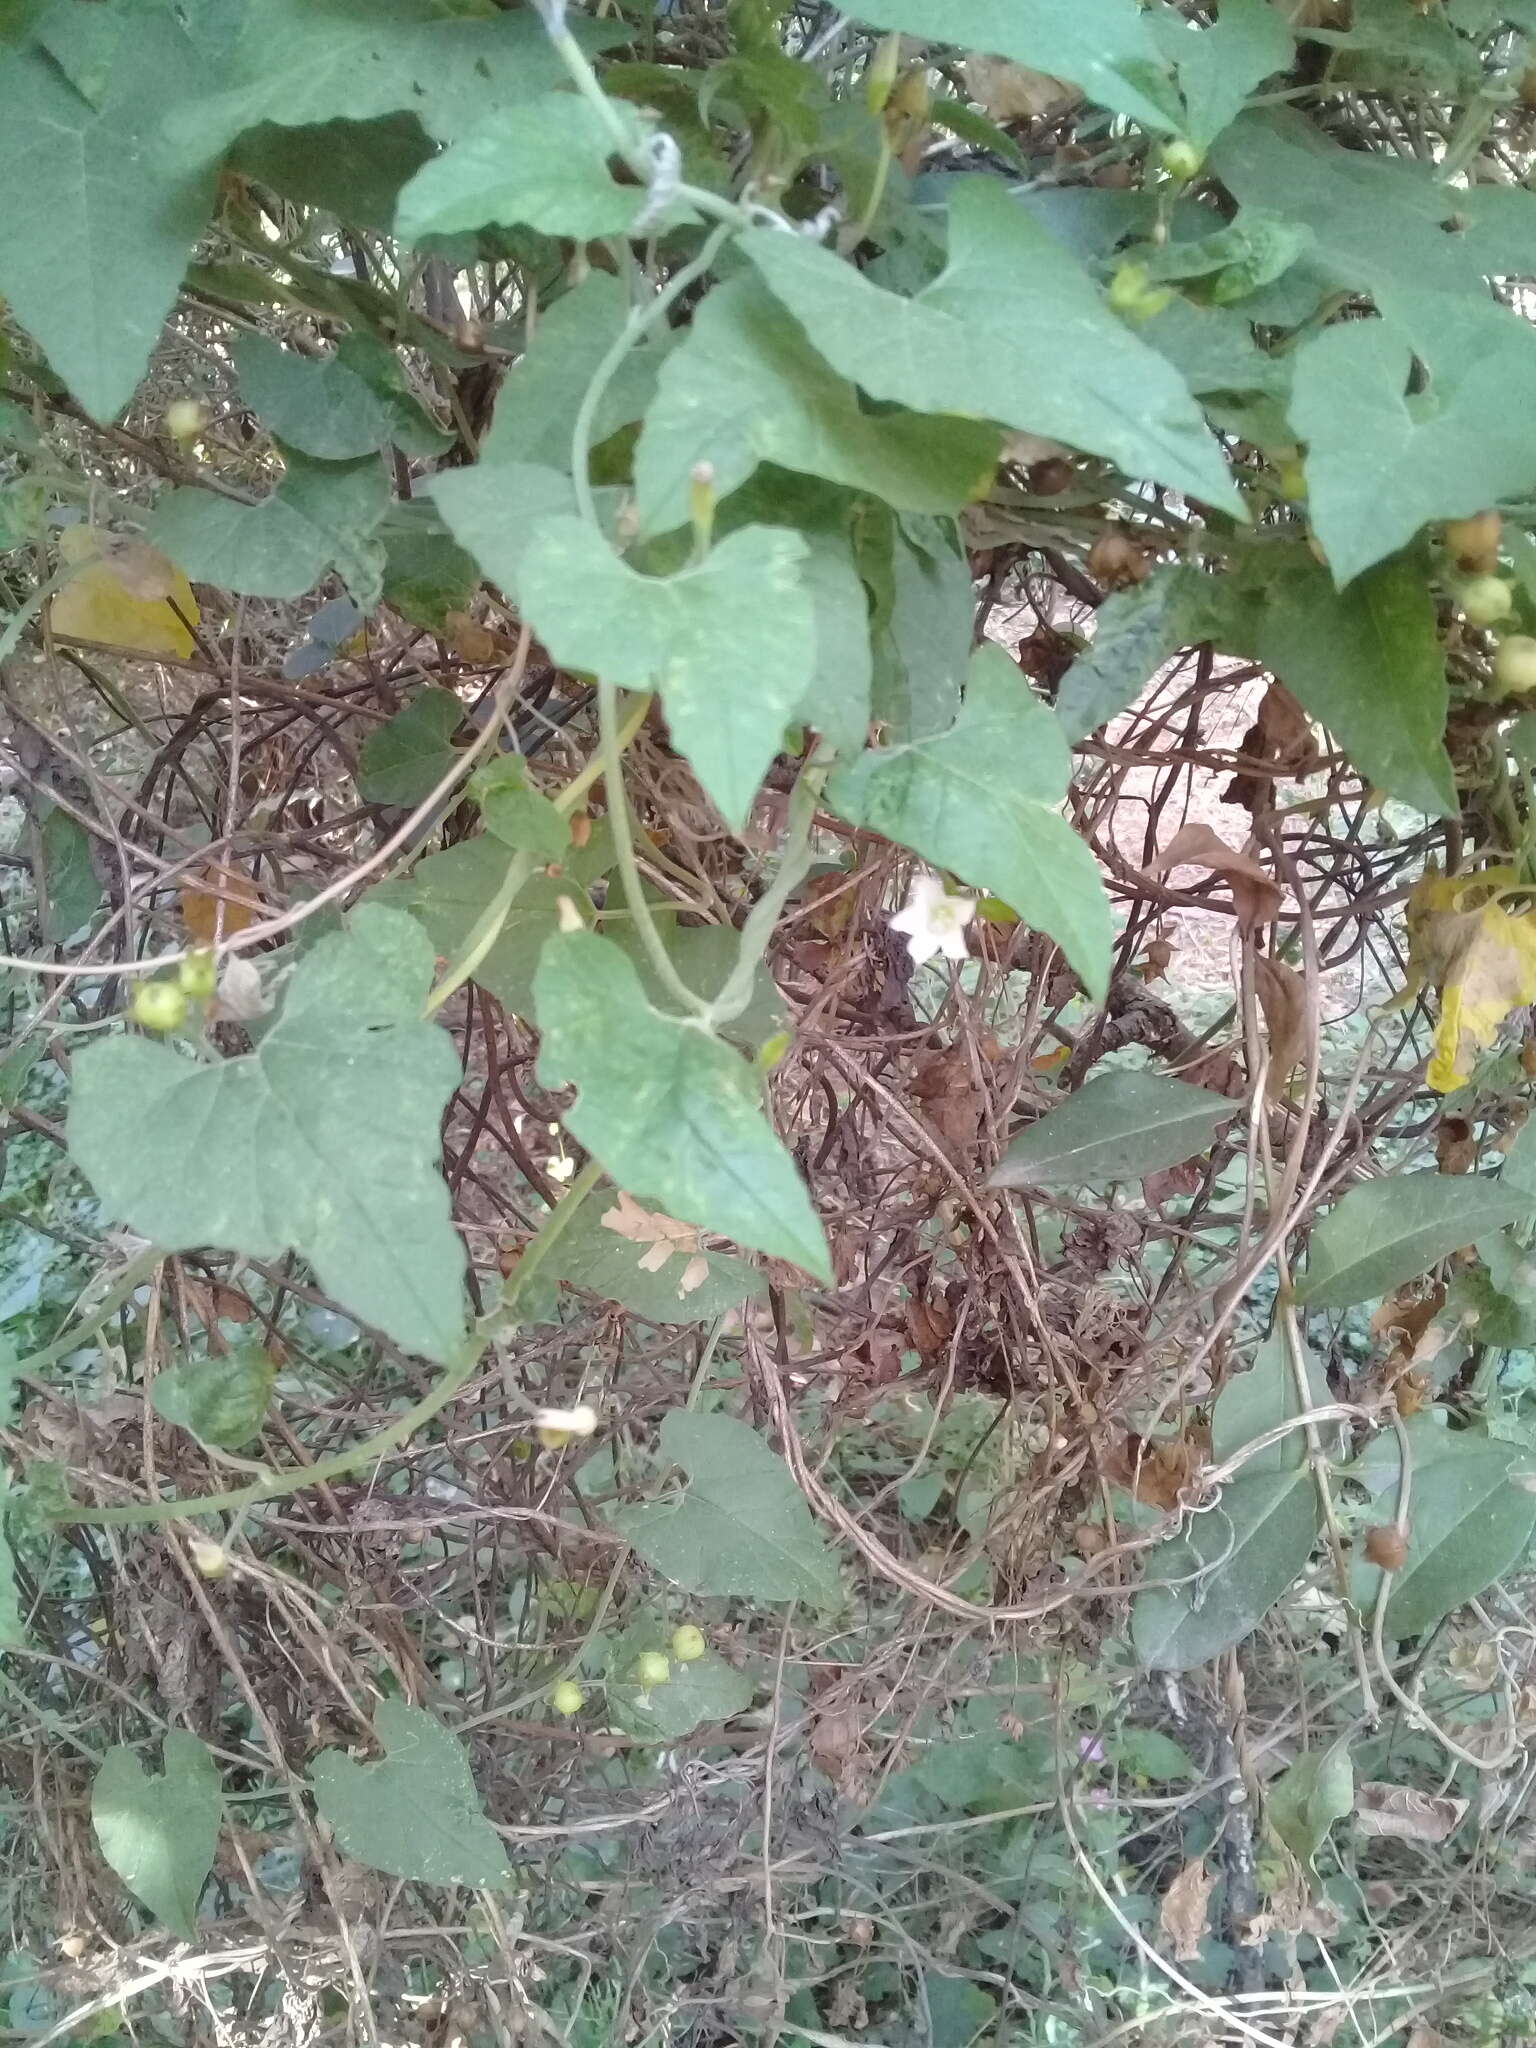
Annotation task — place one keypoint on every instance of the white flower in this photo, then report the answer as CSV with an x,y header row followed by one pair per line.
x,y
557,1426
934,921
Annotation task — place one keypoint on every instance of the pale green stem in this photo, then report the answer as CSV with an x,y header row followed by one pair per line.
x,y
609,757
638,325
762,919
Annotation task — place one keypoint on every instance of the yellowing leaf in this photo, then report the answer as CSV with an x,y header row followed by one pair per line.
x,y
1495,973
1480,956
123,593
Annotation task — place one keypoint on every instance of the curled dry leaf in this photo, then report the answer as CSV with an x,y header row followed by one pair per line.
x,y
1289,1018
1405,1812
1282,737
1181,1918
1255,892
1012,92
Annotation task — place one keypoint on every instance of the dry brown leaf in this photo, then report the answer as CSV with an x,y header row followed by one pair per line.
x,y
1288,1018
1255,892
1169,1182
1155,1473
930,1326
1455,1145
218,885
1406,1813
473,642
1281,736
1155,962
1012,92
1181,1918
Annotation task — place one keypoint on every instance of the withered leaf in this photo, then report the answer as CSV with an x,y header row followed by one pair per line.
x,y
1181,1918
1405,1812
1288,1018
1255,892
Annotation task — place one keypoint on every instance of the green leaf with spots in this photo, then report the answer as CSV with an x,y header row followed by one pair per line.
x,y
740,1526
285,1149
414,1814
984,800
427,574
1013,330
729,642
322,516
404,760
746,386
671,1112
158,1832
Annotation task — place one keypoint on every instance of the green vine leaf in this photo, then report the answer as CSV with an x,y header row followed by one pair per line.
x,y
597,1258
322,515
101,212
671,1112
984,800
1388,451
73,887
159,1833
1013,330
730,642
1367,663
1306,1799
746,386
284,1148
1210,1588
1390,1230
298,64
449,892
405,759
330,407
548,169
1105,46
706,1690
1117,1127
416,1813
1473,1510
740,1526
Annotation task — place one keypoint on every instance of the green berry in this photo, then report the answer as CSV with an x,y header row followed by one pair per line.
x,y
198,975
1486,599
1514,663
652,1668
567,1697
1133,295
1181,160
688,1643
158,1006
185,419
1292,479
